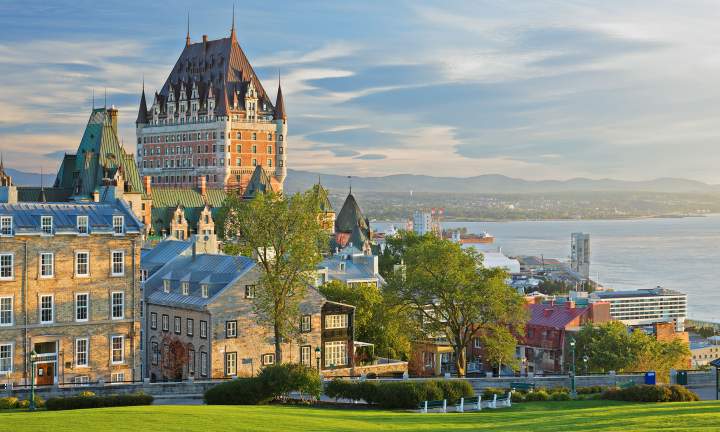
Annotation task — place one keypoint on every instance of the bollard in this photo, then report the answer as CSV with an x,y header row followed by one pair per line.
x,y
425,409
444,405
462,405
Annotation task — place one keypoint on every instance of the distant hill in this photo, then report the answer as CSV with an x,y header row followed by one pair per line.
x,y
22,178
489,183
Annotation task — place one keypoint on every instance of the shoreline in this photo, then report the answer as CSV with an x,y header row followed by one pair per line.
x,y
636,218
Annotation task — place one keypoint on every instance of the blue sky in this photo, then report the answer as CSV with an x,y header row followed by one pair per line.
x,y
531,89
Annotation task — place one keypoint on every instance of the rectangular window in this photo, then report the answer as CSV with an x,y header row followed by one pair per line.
x,y
305,355
306,323
81,352
203,363
269,162
203,329
81,379
230,329
46,309
82,225
118,263
250,291
336,321
155,355
166,285
335,353
190,326
118,224
7,268
165,322
81,306
191,362
117,377
178,325
204,290
118,349
118,305
186,288
6,358
6,311
46,224
6,225
231,363
47,265
82,264
268,359
153,320
269,149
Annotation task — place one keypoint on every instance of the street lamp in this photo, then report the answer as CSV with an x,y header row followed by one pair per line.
x,y
585,360
33,358
318,352
573,392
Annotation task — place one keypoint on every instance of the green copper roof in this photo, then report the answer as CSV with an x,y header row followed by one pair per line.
x,y
186,197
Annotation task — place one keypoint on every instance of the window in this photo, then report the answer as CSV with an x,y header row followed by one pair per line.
x,y
306,323
231,363
46,265
204,290
155,358
117,349
203,363
117,377
269,149
254,162
268,359
118,305
190,326
81,379
269,162
166,285
5,358
165,322
191,361
254,136
46,309
6,311
81,306
82,225
81,352
269,137
46,224
178,325
153,320
203,329
118,224
305,355
336,353
336,321
82,264
250,291
118,263
230,329
6,266
186,288
254,149
6,225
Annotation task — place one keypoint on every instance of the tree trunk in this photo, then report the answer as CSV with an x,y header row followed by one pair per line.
x,y
460,360
278,341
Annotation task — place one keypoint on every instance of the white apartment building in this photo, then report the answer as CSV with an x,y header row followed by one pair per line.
x,y
645,306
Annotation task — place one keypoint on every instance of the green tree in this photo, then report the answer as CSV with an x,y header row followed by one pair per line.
x,y
457,297
395,247
286,238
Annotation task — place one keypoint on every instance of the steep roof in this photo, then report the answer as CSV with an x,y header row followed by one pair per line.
x,y
322,196
350,216
280,105
167,199
142,116
259,183
554,316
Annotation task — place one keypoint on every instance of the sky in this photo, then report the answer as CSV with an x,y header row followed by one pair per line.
x,y
531,89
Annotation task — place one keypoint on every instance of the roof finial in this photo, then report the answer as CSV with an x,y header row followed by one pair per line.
x,y
42,197
105,97
93,97
350,183
187,36
232,29
2,168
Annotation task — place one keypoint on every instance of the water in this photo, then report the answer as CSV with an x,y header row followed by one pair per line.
x,y
681,254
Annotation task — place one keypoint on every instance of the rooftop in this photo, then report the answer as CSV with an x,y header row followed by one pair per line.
x,y
644,292
554,316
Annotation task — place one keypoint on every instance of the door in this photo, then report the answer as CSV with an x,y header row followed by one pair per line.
x,y
45,373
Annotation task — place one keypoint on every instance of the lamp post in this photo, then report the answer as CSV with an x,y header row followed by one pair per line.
x,y
33,356
585,360
318,353
573,392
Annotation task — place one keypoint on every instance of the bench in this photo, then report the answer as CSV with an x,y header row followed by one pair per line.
x,y
520,386
472,403
504,402
433,404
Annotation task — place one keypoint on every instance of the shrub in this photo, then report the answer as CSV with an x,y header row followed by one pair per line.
x,y
538,395
591,389
558,390
559,396
517,396
241,391
285,378
82,401
401,395
651,393
489,392
9,402
86,393
25,403
679,393
453,390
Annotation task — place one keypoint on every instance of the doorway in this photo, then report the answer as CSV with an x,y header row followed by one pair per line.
x,y
45,362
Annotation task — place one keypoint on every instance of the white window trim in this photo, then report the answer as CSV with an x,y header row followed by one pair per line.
x,y
12,266
112,267
122,305
205,291
12,311
166,285
52,265
78,275
122,349
269,356
3,218
87,307
87,353
87,225
122,226
233,371
185,288
42,231
336,321
12,356
52,308
331,348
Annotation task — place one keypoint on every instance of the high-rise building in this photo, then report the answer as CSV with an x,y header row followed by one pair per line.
x,y
425,222
212,118
580,253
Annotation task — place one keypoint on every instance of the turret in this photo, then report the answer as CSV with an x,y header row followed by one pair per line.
x,y
280,118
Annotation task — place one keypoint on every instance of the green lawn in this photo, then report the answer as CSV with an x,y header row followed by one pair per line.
x,y
550,416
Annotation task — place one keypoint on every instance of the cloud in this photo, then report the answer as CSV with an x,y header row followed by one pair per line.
x,y
371,156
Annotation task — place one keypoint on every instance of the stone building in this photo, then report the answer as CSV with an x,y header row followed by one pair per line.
x,y
70,292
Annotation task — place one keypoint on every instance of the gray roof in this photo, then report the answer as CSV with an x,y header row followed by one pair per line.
x,y
645,292
26,217
164,252
355,270
216,271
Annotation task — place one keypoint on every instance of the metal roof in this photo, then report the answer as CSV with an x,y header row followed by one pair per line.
x,y
645,292
164,252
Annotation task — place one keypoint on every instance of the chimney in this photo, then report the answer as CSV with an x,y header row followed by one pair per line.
x,y
203,185
113,115
570,304
205,39
148,185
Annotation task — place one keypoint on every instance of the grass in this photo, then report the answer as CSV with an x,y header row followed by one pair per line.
x,y
541,416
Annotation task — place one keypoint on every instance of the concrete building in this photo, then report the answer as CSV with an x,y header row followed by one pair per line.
x,y
702,353
351,267
70,292
497,259
645,306
580,254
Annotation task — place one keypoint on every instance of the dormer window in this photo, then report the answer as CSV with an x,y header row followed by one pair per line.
x,y
186,288
6,225
82,225
342,266
118,225
46,224
166,285
204,292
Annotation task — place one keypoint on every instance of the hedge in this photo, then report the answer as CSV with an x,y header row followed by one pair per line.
x,y
85,401
399,394
651,393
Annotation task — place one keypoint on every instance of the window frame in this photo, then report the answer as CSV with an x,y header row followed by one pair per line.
x,y
231,329
12,266
336,321
52,309
185,287
113,273
331,351
4,226
189,326
203,363
203,329
43,231
121,305
250,291
204,290
113,349
78,364
79,225
177,324
165,323
306,319
264,359
87,263
231,363
303,349
78,307
41,265
11,311
153,320
118,229
9,358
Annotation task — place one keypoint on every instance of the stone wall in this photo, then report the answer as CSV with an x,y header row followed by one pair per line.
x,y
392,368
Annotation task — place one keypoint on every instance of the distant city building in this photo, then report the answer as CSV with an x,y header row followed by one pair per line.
x,y
351,267
497,259
580,254
427,222
645,306
702,353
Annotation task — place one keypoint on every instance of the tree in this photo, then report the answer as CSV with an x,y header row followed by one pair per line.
x,y
176,357
395,247
286,238
457,297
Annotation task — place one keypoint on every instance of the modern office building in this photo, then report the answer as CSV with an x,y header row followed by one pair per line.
x,y
580,254
645,306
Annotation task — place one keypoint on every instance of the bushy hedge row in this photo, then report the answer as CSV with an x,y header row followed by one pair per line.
x,y
399,394
272,382
652,393
92,401
12,402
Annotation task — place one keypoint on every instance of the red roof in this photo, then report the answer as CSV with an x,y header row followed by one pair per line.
x,y
555,316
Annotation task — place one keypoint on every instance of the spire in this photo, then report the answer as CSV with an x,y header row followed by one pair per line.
x,y
142,111
42,197
233,36
280,103
187,35
2,167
